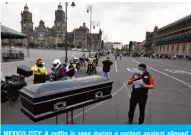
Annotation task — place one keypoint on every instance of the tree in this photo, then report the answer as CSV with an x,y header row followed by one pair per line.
x,y
31,45
72,46
60,45
78,47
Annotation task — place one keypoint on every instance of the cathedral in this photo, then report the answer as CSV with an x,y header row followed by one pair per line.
x,y
47,37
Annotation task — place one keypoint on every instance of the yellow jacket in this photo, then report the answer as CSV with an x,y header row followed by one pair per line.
x,y
91,59
39,70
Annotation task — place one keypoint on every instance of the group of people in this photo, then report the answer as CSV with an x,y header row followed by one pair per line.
x,y
59,71
141,81
118,54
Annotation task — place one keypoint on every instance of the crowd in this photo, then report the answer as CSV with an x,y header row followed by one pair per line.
x,y
64,71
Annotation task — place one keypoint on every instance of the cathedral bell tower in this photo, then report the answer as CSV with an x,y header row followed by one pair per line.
x,y
59,22
26,21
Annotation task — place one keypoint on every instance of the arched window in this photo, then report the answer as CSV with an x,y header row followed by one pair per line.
x,y
183,47
168,48
172,48
177,48
25,18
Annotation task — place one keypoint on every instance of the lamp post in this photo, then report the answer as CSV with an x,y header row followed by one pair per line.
x,y
96,24
89,9
66,6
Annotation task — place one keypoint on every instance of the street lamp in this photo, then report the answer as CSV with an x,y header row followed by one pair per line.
x,y
66,6
96,24
89,9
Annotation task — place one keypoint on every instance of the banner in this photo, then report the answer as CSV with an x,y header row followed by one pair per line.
x,y
95,129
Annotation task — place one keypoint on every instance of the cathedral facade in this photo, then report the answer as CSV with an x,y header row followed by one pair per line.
x,y
48,37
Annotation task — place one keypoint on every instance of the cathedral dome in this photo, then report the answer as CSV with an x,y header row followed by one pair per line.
x,y
59,6
26,8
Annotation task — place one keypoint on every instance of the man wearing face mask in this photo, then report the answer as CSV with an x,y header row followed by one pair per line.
x,y
40,72
142,81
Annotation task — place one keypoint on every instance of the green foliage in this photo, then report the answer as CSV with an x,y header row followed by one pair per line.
x,y
18,44
60,45
32,45
72,46
78,47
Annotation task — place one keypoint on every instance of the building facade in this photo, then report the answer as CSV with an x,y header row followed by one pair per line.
x,y
117,45
108,46
45,36
172,39
135,47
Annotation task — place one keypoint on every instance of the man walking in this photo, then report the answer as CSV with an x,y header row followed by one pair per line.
x,y
142,82
106,67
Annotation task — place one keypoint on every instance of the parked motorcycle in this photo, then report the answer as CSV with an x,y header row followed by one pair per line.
x,y
10,87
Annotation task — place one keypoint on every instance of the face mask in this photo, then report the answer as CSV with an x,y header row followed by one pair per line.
x,y
54,65
40,65
140,72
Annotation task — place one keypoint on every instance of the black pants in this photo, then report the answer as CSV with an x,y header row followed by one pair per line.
x,y
141,100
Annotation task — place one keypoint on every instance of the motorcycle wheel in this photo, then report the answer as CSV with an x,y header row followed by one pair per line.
x,y
89,72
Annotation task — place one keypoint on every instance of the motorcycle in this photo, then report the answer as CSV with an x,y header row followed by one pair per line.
x,y
91,69
77,63
10,87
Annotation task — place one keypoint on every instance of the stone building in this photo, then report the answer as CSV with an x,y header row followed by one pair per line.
x,y
172,39
108,46
44,36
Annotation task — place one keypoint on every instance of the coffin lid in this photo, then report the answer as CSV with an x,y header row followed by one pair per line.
x,y
63,85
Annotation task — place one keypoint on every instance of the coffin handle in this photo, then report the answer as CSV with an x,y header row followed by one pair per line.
x,y
59,106
98,94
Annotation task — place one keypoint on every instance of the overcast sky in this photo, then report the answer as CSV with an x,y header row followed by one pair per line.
x,y
121,22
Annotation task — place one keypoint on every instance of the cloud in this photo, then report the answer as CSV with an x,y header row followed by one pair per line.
x,y
120,21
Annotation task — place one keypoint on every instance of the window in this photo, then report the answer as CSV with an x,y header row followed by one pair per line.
x,y
25,18
183,47
172,47
177,47
41,35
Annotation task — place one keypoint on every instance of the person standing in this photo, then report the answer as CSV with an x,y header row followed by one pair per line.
x,y
120,55
142,82
58,70
71,69
106,67
40,72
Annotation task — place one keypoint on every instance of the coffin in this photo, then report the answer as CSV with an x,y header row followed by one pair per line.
x,y
42,101
24,71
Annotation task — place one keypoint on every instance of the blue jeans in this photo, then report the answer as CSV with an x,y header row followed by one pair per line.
x,y
106,74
